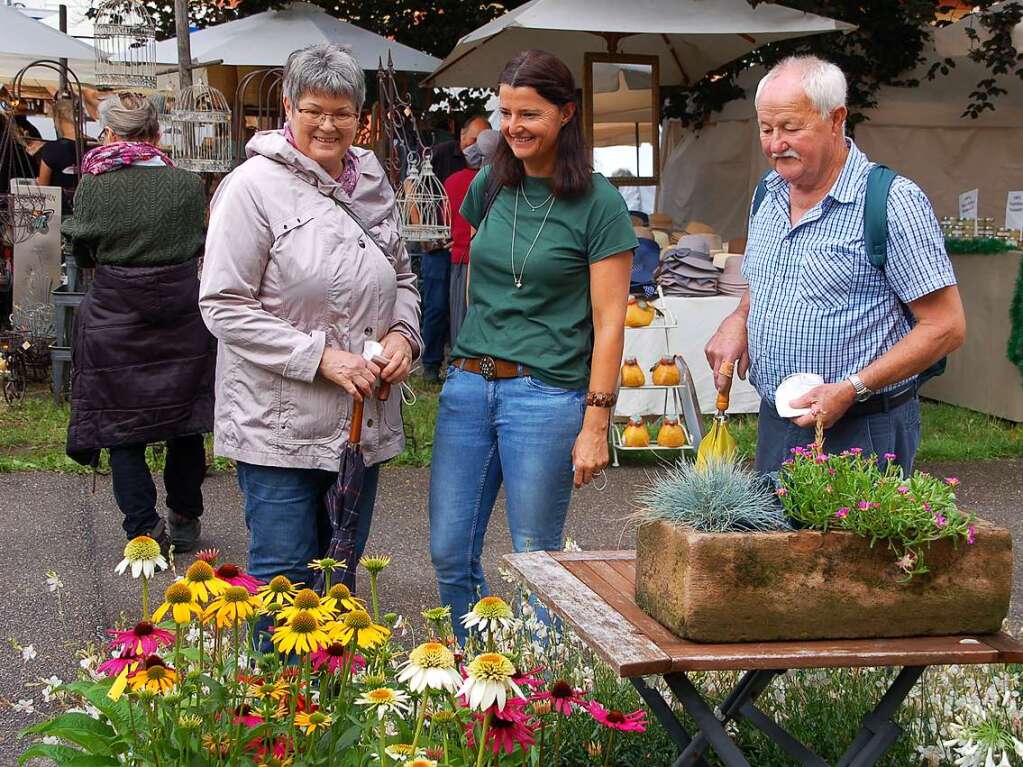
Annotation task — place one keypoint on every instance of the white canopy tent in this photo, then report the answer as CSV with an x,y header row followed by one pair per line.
x,y
265,40
919,132
690,37
23,40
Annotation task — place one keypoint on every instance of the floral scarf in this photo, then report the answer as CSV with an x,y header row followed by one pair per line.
x,y
121,154
349,165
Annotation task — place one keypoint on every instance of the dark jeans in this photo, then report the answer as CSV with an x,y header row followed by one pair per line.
x,y
135,492
895,431
456,304
434,275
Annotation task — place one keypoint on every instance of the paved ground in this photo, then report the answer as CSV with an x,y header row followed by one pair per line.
x,y
53,522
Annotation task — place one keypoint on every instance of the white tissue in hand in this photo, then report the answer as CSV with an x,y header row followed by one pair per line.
x,y
372,349
792,388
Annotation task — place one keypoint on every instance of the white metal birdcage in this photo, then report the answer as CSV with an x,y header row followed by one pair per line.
x,y
201,120
423,203
125,42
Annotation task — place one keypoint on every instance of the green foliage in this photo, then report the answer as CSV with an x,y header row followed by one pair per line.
x,y
851,492
724,497
981,245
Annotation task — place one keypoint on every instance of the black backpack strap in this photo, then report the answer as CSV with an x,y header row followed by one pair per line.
x,y
759,192
875,214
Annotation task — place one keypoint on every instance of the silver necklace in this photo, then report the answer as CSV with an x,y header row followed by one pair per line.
x,y
531,205
517,277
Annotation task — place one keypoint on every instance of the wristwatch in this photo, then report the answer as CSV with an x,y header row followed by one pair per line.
x,y
862,392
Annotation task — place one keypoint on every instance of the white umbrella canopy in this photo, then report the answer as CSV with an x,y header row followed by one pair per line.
x,y
265,40
690,37
23,40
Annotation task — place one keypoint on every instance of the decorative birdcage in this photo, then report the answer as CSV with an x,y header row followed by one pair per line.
x,y
125,42
423,203
201,120
266,113
23,210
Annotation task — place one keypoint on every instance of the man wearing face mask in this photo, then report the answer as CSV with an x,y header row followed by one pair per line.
x,y
868,323
447,158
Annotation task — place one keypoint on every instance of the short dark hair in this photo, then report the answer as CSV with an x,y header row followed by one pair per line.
x,y
549,77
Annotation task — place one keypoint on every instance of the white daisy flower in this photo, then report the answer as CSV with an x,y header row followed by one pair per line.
x,y
490,614
489,682
143,555
385,700
431,665
24,706
28,652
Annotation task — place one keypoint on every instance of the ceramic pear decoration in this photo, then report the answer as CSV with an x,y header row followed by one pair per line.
x,y
638,314
636,434
666,372
632,373
671,433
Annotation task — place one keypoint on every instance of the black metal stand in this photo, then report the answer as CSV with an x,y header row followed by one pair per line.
x,y
876,735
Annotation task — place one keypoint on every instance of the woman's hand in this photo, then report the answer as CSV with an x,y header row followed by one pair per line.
x,y
349,371
399,351
590,453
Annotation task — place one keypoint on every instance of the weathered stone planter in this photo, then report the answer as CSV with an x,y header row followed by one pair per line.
x,y
748,587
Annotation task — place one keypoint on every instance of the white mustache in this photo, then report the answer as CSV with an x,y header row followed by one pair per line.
x,y
787,153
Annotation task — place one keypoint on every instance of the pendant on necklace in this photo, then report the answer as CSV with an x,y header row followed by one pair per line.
x,y
518,283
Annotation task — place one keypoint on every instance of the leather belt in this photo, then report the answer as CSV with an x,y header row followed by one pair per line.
x,y
882,403
490,368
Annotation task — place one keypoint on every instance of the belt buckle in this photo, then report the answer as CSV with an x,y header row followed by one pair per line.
x,y
488,368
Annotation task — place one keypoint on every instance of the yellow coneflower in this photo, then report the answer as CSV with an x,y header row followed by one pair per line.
x,y
301,634
269,760
203,581
311,722
180,602
308,600
421,761
277,690
142,554
218,746
153,676
232,607
189,721
386,700
357,625
327,564
343,597
279,592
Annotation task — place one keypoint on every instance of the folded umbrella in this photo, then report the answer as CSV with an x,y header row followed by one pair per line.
x,y
719,445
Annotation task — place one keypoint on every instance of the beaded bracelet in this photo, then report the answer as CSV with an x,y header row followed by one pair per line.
x,y
601,399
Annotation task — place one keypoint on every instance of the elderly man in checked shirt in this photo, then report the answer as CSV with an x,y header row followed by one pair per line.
x,y
815,303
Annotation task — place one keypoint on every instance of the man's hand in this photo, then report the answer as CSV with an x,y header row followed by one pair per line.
x,y
830,400
399,351
728,344
349,371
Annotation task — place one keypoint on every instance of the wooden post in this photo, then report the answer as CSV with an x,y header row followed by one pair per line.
x,y
62,11
184,44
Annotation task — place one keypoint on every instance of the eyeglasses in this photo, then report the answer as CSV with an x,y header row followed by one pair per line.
x,y
314,117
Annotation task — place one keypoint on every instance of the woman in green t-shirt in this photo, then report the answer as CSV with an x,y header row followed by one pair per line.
x,y
529,393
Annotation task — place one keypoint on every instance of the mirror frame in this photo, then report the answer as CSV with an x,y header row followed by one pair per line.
x,y
589,59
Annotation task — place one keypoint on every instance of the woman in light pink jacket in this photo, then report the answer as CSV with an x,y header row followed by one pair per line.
x,y
304,264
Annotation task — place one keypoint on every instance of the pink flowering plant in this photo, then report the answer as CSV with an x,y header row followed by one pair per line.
x,y
868,496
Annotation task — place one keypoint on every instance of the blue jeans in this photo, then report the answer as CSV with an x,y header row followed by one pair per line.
x,y
434,275
518,431
895,431
287,520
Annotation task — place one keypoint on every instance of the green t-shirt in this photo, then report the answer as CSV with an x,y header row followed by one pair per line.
x,y
547,324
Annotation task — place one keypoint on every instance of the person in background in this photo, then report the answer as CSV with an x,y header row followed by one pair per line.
x,y
142,359
58,159
528,396
447,158
816,303
456,186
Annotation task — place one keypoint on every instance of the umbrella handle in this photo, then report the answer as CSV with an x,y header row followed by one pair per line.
x,y
384,392
725,370
355,432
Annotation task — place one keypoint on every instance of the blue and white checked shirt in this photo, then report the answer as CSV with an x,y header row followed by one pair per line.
x,y
816,303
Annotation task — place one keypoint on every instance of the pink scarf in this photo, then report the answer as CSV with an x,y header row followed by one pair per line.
x,y
120,154
349,165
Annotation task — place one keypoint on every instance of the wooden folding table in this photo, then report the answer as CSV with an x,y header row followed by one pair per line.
x,y
594,593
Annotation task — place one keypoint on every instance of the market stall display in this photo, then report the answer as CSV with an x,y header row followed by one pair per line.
x,y
125,45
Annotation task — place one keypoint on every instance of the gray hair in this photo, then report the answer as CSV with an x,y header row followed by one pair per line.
x,y
324,68
130,116
823,82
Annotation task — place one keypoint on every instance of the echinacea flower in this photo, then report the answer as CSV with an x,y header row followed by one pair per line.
x,y
276,690
143,639
243,715
509,727
334,656
375,564
310,722
202,579
430,665
562,697
142,554
401,752
420,761
153,676
278,592
489,681
209,556
309,601
236,577
616,720
327,564
357,626
179,599
489,614
302,634
856,451
126,661
343,597
232,607
384,700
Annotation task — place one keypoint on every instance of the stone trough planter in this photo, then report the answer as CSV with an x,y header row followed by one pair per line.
x,y
750,587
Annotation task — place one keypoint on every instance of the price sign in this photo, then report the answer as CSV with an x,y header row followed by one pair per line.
x,y
968,204
1014,211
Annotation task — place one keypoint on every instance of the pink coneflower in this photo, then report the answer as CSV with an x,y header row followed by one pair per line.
x,y
856,451
243,715
333,656
822,458
509,727
528,679
115,666
616,720
971,535
233,574
952,481
563,697
209,556
842,513
144,639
